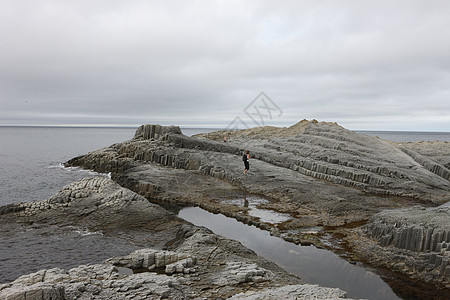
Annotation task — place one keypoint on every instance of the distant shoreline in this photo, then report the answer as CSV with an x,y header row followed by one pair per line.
x,y
208,128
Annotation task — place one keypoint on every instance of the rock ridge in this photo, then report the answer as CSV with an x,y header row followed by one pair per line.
x,y
323,175
326,152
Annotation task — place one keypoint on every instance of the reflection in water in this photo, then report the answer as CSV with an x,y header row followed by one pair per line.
x,y
264,215
313,265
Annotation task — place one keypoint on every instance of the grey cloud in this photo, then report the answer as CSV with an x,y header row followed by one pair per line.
x,y
196,62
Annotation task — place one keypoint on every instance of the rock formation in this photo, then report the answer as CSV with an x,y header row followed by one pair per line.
x,y
321,150
108,281
414,241
193,263
319,173
155,131
330,152
435,155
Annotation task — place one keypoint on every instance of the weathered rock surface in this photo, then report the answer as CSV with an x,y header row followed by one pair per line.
x,y
177,260
98,204
320,150
318,173
293,292
85,222
350,167
413,241
434,155
330,152
110,280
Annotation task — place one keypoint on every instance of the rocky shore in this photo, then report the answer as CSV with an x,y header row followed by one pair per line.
x,y
176,260
320,174
359,189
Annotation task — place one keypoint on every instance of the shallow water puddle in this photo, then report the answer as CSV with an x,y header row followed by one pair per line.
x,y
264,215
313,265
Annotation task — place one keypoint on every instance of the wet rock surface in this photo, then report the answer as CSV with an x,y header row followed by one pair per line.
x,y
176,260
320,174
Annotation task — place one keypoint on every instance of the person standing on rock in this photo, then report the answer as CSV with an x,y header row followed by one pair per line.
x,y
245,158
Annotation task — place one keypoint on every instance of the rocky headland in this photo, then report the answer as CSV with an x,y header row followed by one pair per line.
x,y
175,259
320,174
360,189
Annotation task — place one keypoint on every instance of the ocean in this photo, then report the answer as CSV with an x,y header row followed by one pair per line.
x,y
31,158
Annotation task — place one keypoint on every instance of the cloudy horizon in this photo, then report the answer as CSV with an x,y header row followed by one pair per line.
x,y
367,65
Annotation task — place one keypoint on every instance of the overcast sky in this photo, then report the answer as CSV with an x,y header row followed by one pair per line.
x,y
367,65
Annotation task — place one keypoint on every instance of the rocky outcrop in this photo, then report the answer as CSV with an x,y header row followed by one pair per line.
x,y
319,174
416,229
282,168
321,150
155,131
96,208
330,152
415,241
99,192
437,151
176,260
428,163
169,262
293,292
100,281
110,280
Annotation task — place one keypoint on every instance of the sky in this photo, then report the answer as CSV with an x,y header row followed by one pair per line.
x,y
367,65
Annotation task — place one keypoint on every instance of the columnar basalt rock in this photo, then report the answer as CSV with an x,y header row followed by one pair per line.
x,y
319,173
151,259
320,150
428,163
417,241
151,131
106,281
